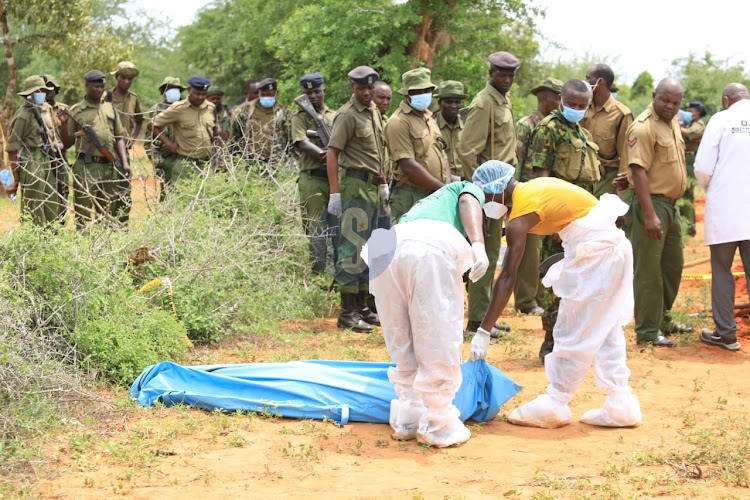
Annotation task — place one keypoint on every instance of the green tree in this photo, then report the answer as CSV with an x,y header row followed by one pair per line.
x,y
704,78
642,86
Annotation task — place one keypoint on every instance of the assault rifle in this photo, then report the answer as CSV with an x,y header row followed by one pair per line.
x,y
323,133
46,144
95,142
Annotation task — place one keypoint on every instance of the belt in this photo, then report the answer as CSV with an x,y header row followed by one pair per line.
x,y
318,173
94,159
364,176
661,197
611,168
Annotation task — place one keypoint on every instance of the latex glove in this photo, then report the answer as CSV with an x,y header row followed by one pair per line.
x,y
481,262
479,344
334,204
384,191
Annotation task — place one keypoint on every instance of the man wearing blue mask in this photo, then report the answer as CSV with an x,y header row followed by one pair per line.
x,y
561,148
262,127
171,90
415,144
31,141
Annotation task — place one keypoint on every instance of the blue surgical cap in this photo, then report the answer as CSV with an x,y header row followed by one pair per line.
x,y
493,176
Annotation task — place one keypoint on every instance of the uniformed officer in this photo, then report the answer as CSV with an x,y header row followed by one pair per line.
x,y
30,154
250,89
382,98
692,133
171,91
489,134
216,97
608,120
528,292
561,148
95,179
451,99
415,145
657,178
128,106
262,125
194,126
62,172
356,147
313,177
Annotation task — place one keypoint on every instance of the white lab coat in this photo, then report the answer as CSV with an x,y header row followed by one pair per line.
x,y
722,167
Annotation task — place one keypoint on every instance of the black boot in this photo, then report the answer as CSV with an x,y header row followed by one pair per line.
x,y
364,310
547,346
349,316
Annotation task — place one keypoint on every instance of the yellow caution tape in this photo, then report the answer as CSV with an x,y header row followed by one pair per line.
x,y
167,284
704,276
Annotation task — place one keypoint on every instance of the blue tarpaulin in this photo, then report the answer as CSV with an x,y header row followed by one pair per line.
x,y
339,390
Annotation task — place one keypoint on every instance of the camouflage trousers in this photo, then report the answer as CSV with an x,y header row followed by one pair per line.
x,y
550,301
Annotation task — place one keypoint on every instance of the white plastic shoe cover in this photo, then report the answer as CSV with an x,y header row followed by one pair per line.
x,y
544,411
621,409
404,418
442,428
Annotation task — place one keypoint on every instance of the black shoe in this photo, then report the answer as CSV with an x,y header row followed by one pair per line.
x,y
497,331
673,327
708,336
349,316
660,341
547,347
533,311
367,314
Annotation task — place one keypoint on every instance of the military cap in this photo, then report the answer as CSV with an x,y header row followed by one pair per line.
x,y
363,75
33,84
51,82
552,84
126,68
172,82
311,81
699,106
199,82
267,84
214,90
504,61
416,79
95,76
451,89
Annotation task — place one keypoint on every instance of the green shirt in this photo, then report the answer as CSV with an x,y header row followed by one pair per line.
x,y
260,131
155,149
128,110
452,136
525,129
358,133
103,119
301,123
24,128
442,205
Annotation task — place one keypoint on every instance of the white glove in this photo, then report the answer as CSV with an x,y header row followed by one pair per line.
x,y
479,344
481,262
384,191
334,204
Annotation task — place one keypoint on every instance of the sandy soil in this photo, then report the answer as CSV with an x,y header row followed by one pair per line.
x,y
178,453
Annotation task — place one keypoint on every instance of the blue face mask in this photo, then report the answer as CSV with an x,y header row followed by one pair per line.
x,y
420,102
38,97
267,102
687,117
614,95
172,95
573,115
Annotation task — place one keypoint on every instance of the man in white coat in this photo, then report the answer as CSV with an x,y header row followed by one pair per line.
x,y
722,167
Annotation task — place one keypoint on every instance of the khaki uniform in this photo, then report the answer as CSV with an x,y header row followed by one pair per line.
x,y
567,151
480,142
656,146
687,202
452,136
358,133
38,176
313,185
609,128
260,132
527,291
129,113
96,183
409,134
477,140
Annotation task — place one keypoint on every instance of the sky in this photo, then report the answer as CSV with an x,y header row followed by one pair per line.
x,y
630,36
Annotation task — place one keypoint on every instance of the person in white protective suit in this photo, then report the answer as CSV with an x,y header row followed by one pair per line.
x,y
594,281
416,271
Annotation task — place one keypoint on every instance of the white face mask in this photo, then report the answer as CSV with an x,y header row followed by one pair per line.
x,y
495,210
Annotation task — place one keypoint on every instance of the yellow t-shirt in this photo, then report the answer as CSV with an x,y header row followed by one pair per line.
x,y
557,202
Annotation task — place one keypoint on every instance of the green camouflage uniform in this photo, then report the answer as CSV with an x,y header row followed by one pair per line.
x,y
557,146
129,113
37,175
156,150
261,134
